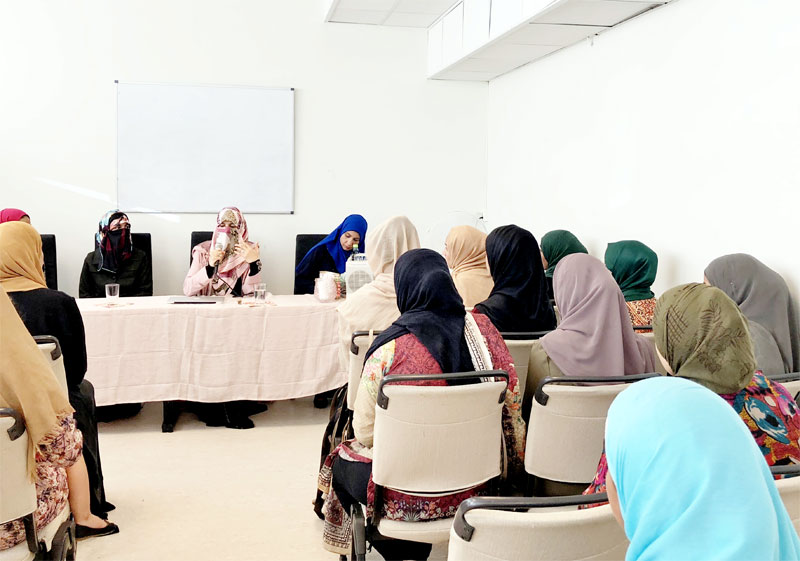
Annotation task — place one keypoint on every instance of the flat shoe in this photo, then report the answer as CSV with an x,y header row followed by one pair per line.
x,y
82,532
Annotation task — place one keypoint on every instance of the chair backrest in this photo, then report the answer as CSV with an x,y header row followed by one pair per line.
x,y
303,243
197,238
481,532
50,260
17,491
789,489
567,426
359,344
436,439
141,240
519,345
51,351
790,381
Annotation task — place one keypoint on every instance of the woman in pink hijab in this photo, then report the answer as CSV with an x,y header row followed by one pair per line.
x,y
14,215
229,263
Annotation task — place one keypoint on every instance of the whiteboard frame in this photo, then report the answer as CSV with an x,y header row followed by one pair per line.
x,y
139,210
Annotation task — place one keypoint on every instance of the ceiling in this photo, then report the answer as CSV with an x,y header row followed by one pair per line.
x,y
397,13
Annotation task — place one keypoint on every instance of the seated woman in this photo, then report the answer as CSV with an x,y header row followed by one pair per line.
x,y
465,251
51,312
634,265
14,215
331,253
707,496
115,260
701,335
430,337
518,301
764,299
556,245
227,264
55,463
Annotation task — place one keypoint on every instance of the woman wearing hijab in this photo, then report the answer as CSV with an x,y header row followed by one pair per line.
x,y
14,215
556,245
764,299
701,335
227,264
51,312
518,301
331,253
115,260
634,265
708,496
465,251
429,337
54,463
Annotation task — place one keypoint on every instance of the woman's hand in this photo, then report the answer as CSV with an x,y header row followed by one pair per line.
x,y
249,252
215,256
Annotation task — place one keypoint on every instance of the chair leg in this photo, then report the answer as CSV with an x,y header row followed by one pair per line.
x,y
359,539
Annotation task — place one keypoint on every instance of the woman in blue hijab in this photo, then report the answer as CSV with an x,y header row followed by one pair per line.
x,y
331,253
686,479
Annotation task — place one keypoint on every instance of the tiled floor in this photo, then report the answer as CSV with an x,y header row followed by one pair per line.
x,y
214,494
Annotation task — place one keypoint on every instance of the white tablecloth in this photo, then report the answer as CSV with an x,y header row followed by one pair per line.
x,y
145,349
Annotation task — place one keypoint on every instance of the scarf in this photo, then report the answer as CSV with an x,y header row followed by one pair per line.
x,y
20,257
353,223
556,245
518,301
112,248
595,336
11,215
763,297
704,337
27,383
691,481
466,256
633,265
232,266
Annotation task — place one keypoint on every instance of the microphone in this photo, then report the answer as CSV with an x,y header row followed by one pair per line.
x,y
221,244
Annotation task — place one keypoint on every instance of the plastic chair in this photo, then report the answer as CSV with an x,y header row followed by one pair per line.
x,y
455,433
567,425
18,499
198,238
549,528
789,489
359,344
51,350
50,260
519,344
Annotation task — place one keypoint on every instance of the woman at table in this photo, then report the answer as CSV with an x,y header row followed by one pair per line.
x,y
634,265
331,253
54,460
434,334
14,215
556,245
227,264
115,260
51,312
465,251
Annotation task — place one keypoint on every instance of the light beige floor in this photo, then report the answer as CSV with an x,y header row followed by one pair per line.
x,y
214,494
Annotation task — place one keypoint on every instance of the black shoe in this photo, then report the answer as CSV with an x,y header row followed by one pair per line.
x,y
107,506
242,423
320,401
82,532
167,427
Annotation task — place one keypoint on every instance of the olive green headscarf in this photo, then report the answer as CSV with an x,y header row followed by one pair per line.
x,y
704,337
558,244
633,265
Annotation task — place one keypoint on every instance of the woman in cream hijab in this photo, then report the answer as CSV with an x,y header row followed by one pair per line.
x,y
465,251
374,306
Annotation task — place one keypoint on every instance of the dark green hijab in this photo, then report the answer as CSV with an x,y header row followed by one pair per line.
x,y
558,244
633,265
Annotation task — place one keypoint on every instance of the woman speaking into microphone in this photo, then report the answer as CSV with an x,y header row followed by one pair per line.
x,y
228,264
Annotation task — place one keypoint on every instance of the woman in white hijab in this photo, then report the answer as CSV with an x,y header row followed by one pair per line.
x,y
374,306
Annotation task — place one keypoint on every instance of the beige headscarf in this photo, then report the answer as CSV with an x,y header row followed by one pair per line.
x,y
704,337
374,306
27,383
466,256
20,257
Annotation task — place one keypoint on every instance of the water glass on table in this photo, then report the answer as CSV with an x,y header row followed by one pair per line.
x,y
112,291
260,294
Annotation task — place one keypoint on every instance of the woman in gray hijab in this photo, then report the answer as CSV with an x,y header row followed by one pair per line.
x,y
764,299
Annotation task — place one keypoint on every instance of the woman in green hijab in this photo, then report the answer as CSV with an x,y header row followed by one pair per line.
x,y
634,265
556,245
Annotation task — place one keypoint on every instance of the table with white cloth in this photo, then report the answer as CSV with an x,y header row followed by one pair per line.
x,y
146,349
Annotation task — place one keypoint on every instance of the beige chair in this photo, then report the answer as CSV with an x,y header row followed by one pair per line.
x,y
519,345
18,499
51,351
789,488
359,345
790,381
432,440
552,529
567,425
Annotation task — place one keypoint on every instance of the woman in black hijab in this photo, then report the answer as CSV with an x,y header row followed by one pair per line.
x,y
518,301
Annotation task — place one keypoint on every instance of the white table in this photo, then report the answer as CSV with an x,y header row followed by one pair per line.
x,y
145,349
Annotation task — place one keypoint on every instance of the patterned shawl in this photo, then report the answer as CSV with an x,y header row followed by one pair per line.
x,y
232,266
112,248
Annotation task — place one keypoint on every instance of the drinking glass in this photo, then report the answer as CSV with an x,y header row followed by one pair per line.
x,y
260,293
112,291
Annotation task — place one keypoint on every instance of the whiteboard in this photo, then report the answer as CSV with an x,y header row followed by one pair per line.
x,y
183,148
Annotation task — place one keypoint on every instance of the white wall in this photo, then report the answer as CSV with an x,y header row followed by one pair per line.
x,y
680,128
372,134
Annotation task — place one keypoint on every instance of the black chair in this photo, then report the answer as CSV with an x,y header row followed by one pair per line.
x,y
50,261
303,243
141,240
197,238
